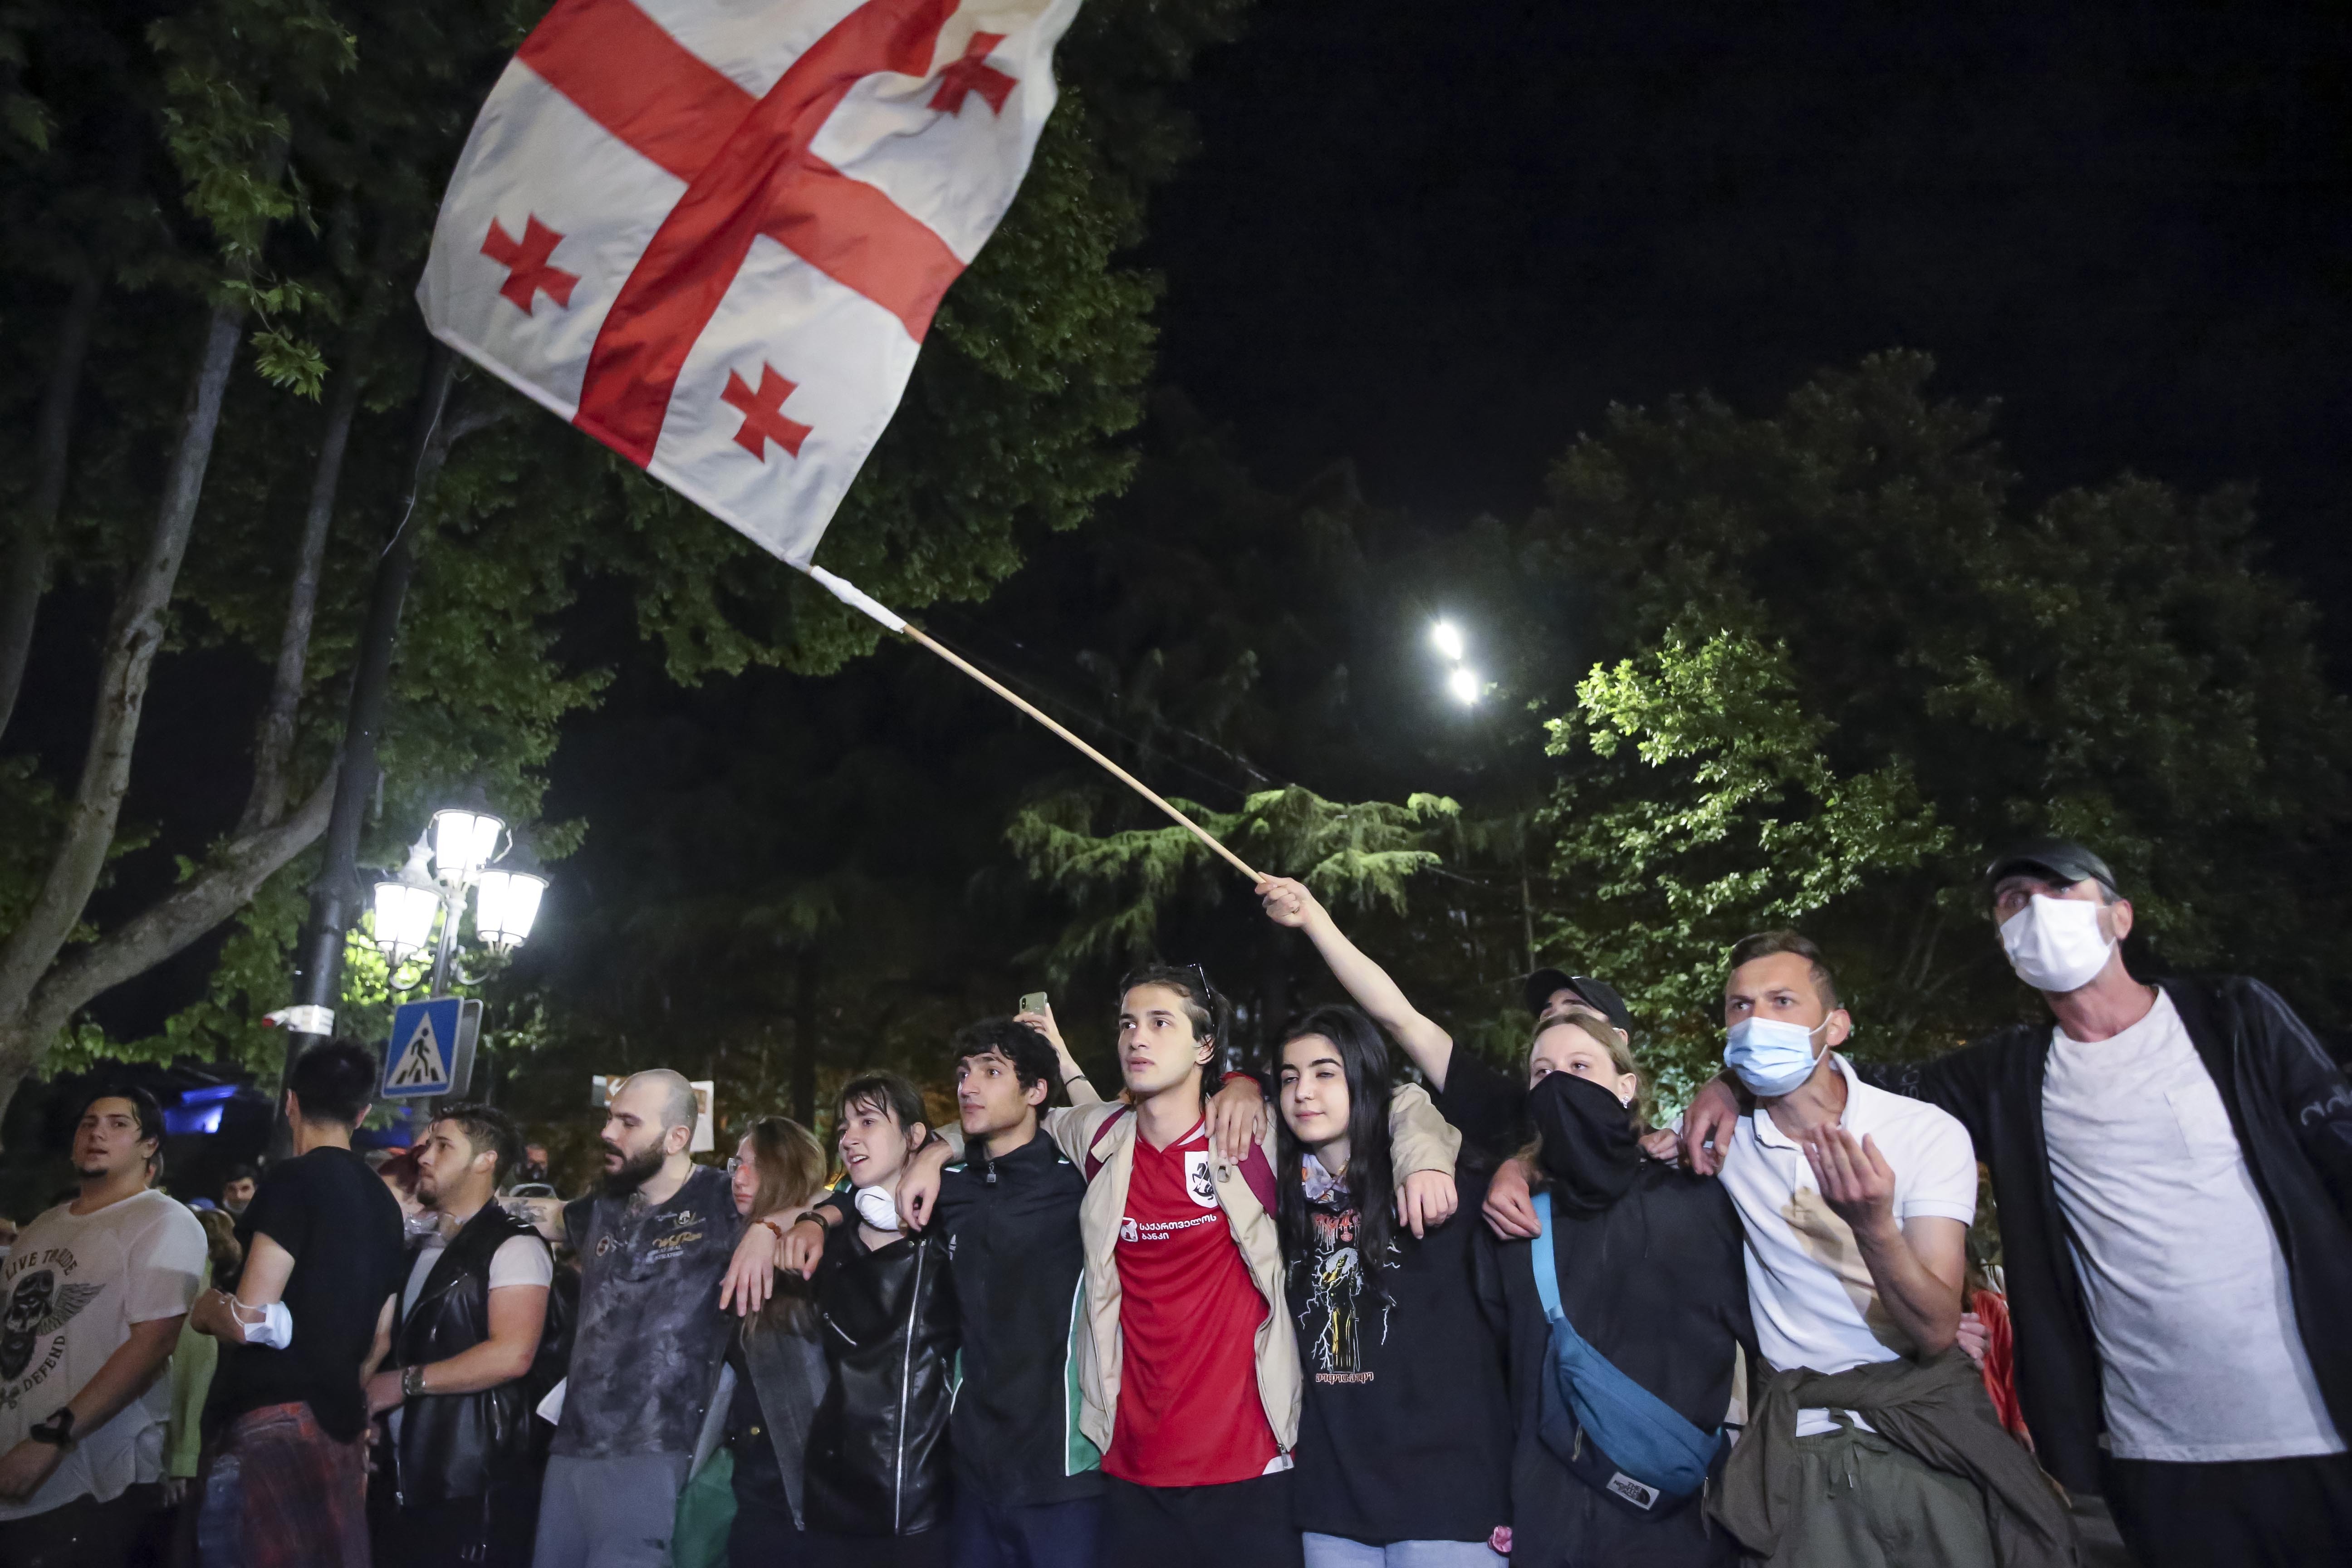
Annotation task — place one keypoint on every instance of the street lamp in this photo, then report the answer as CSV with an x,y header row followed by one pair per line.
x,y
504,904
1465,683
461,849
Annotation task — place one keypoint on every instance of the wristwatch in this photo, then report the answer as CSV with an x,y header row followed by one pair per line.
x,y
57,1429
412,1381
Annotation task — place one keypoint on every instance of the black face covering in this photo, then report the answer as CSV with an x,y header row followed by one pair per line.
x,y
1589,1150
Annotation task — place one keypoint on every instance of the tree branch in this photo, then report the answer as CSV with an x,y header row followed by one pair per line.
x,y
133,641
28,562
274,739
161,930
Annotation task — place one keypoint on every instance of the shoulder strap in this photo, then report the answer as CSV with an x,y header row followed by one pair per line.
x,y
1094,1148
1539,1254
1258,1173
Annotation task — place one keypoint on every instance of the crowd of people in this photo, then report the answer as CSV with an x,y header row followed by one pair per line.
x,y
1337,1314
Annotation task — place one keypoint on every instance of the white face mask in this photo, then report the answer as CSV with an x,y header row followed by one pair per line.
x,y
2055,944
878,1208
1772,1056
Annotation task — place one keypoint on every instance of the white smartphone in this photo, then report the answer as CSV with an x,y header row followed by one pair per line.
x,y
1034,1003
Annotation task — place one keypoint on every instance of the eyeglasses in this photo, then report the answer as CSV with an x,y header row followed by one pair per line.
x,y
736,1162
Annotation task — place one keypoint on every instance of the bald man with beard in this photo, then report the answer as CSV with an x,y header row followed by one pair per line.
x,y
653,1244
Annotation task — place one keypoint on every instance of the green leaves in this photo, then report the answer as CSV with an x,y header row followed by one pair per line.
x,y
1122,882
1725,816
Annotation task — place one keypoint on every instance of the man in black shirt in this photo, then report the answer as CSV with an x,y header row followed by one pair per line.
x,y
286,1480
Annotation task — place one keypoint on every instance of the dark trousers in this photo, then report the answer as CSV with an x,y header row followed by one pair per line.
x,y
1242,1524
461,1533
989,1534
83,1533
761,1534
2254,1513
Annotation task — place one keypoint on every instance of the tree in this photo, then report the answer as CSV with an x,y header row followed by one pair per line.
x,y
1862,662
1009,427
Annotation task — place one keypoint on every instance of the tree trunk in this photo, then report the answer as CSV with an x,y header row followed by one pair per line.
x,y
28,563
274,740
132,638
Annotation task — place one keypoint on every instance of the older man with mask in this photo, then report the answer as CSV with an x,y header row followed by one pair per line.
x,y
2173,1164
645,1348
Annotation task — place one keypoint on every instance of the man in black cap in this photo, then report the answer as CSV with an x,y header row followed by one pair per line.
x,y
2173,1167
1553,994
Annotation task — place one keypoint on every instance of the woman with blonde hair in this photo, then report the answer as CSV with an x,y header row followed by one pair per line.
x,y
780,1368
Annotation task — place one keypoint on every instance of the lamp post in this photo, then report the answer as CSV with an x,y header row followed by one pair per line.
x,y
458,853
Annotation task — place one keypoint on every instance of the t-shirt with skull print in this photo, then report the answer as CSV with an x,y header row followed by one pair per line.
x,y
70,1289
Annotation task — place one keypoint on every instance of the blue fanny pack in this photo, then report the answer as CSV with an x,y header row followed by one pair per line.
x,y
1613,1434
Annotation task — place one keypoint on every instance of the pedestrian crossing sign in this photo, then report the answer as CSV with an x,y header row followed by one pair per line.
x,y
422,1056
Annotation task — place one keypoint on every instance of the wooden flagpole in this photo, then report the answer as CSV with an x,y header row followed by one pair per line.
x,y
849,593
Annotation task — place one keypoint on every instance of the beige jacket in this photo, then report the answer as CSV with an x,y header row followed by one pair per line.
x,y
1421,1141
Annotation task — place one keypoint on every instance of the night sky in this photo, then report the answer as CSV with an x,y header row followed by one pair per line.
x,y
1441,239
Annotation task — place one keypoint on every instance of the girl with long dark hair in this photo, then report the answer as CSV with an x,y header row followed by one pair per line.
x,y
1643,1266
1404,1442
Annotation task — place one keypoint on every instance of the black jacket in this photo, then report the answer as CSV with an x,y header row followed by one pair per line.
x,y
877,1461
462,1445
1650,1269
2292,1111
1011,1225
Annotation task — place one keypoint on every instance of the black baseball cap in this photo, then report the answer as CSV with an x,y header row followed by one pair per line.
x,y
2061,860
1544,982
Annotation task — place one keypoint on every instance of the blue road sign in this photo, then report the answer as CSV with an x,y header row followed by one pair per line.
x,y
423,1052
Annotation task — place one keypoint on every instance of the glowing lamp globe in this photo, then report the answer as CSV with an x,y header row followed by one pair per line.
x,y
505,905
463,843
404,917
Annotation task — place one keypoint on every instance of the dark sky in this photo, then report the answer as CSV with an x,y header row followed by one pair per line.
x,y
1442,238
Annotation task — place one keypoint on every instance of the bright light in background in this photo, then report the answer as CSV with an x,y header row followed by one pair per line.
x,y
1464,684
1446,639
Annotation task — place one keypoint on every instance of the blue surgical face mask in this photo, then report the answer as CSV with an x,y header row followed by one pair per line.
x,y
1772,1056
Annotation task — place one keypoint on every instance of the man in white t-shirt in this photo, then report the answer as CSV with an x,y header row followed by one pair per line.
x,y
2174,1168
466,1448
91,1298
1857,1206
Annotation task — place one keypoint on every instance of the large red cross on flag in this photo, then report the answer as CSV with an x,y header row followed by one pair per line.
x,y
711,233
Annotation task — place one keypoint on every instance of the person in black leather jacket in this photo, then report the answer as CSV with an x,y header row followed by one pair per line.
x,y
877,1484
779,1366
466,1450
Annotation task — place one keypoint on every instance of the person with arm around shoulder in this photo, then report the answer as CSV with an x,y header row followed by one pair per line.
x,y
92,1297
1188,1370
876,1481
2173,1164
779,1365
1856,1206
649,1340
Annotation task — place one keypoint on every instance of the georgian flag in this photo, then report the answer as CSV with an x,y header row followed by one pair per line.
x,y
711,233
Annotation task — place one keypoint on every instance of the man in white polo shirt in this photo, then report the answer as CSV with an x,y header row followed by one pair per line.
x,y
1874,1442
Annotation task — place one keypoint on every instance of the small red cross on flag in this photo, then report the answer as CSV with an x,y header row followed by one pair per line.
x,y
790,184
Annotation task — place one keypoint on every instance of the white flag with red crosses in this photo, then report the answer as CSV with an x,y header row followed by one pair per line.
x,y
712,232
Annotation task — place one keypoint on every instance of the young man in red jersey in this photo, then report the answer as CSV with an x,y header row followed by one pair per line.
x,y
1188,1370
